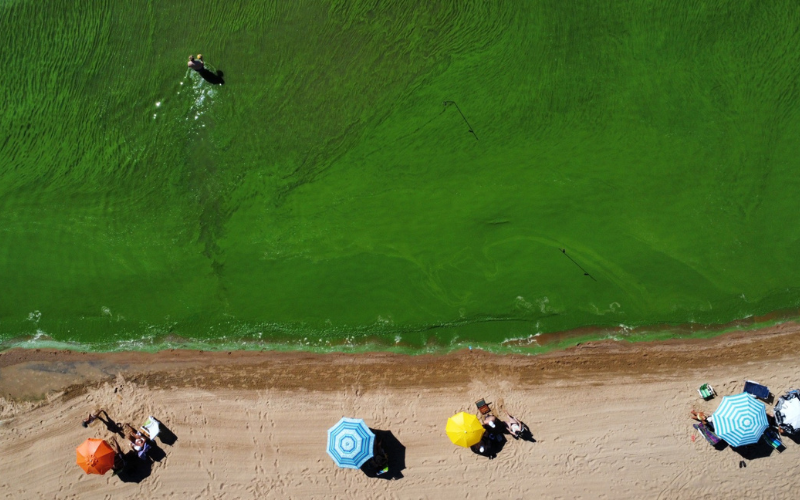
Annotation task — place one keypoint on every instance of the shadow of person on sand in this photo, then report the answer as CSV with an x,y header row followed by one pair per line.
x,y
525,435
214,78
109,422
387,452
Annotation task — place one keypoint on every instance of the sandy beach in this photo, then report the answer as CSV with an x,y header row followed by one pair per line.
x,y
610,420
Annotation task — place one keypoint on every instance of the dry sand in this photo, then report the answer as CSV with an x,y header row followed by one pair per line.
x,y
610,421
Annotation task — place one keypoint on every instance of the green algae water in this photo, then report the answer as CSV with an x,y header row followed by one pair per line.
x,y
394,175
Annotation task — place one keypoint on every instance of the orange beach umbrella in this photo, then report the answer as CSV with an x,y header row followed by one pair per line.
x,y
95,456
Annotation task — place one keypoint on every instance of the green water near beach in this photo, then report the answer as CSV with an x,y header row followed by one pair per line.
x,y
326,198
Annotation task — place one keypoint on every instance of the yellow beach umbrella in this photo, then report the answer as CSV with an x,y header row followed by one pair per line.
x,y
464,429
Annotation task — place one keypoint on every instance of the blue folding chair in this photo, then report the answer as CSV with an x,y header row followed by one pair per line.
x,y
756,389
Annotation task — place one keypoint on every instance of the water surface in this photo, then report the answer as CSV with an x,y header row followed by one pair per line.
x,y
325,196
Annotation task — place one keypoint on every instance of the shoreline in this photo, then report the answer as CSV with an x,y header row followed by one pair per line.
x,y
536,344
32,374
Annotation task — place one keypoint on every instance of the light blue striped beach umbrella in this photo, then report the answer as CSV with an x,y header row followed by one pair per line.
x,y
740,419
350,443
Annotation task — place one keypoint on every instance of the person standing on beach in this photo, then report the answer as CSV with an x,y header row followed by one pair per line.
x,y
196,64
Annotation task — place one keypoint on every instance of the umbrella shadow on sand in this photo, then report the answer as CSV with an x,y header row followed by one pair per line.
x,y
720,446
490,445
394,451
136,470
754,451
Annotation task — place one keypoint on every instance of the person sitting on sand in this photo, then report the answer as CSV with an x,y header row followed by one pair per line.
x,y
380,459
196,64
490,422
137,440
119,457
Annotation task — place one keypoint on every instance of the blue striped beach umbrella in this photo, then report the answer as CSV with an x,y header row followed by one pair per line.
x,y
740,419
350,443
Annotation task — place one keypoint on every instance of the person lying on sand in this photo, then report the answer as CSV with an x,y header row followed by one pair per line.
x,y
88,420
94,416
514,426
110,424
699,416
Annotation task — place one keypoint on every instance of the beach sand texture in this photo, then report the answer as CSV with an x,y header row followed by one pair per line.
x,y
610,421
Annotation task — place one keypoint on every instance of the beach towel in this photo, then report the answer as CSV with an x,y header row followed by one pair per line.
x,y
772,438
710,436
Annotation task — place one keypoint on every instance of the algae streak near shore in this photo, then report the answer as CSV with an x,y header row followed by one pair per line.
x,y
415,174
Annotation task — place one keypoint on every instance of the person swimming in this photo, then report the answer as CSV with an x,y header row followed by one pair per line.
x,y
196,63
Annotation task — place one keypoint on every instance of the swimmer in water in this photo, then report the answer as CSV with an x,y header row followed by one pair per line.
x,y
196,63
